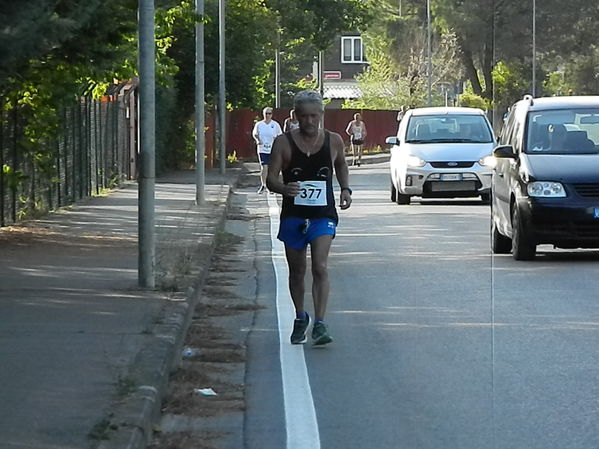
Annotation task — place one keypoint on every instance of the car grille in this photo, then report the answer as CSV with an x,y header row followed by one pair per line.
x,y
572,230
587,190
464,164
450,186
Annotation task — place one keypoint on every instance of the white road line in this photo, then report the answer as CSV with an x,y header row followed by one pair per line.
x,y
300,415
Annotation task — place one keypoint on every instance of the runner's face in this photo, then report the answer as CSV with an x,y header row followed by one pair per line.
x,y
309,116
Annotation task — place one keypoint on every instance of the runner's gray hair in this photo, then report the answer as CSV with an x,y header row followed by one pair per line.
x,y
306,97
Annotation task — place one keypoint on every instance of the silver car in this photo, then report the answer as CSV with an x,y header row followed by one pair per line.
x,y
442,153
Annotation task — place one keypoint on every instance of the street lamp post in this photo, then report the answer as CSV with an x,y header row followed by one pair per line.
x,y
534,47
429,52
147,129
222,104
199,104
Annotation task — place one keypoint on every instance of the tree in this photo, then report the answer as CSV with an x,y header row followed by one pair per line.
x,y
396,47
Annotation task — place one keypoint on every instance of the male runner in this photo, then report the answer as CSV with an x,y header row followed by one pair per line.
x,y
306,158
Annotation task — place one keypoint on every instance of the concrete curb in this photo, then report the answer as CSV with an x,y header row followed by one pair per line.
x,y
133,420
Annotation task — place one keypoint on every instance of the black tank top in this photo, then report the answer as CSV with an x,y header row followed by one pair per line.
x,y
317,167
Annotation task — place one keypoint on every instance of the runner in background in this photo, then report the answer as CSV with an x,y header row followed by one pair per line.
x,y
264,134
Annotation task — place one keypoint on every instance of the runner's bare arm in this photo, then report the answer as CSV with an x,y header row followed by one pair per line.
x,y
348,129
279,154
341,169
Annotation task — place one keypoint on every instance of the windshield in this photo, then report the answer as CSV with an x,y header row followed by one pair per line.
x,y
448,128
565,131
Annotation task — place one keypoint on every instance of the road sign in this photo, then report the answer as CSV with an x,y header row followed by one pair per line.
x,y
332,75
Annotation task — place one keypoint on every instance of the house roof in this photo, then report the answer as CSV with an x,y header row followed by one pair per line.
x,y
341,89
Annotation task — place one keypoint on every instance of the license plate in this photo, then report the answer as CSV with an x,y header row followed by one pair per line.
x,y
596,213
451,177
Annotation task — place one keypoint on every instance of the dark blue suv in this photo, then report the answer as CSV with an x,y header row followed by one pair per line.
x,y
545,185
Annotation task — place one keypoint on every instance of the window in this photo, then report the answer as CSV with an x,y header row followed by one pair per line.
x,y
352,50
450,128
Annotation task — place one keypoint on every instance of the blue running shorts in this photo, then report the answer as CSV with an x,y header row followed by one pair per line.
x,y
298,232
264,158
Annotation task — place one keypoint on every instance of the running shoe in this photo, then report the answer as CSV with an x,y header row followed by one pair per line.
x,y
300,328
320,334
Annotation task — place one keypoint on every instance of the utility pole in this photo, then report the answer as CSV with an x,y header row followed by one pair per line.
x,y
147,139
429,52
277,77
321,80
534,47
494,115
199,100
278,68
222,104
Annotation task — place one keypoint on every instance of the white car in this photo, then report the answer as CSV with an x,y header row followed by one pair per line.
x,y
442,153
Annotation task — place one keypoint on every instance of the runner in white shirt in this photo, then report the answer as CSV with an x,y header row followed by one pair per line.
x,y
264,134
356,129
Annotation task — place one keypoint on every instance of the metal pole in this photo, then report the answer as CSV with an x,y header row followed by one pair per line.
x,y
200,114
429,52
321,80
534,47
147,143
277,77
221,84
321,73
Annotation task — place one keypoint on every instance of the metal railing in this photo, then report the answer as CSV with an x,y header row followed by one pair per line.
x,y
95,149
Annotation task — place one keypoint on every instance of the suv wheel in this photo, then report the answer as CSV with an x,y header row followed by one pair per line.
x,y
486,198
393,192
522,247
500,244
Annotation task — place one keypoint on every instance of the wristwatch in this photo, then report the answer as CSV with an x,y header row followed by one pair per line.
x,y
348,189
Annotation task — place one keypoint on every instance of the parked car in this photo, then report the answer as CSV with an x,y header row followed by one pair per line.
x,y
545,186
441,153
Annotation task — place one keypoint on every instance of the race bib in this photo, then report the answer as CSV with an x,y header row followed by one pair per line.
x,y
312,193
358,135
267,146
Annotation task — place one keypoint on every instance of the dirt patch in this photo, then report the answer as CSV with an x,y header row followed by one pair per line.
x,y
187,440
216,357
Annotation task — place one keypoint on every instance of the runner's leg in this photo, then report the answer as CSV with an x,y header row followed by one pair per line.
x,y
319,254
296,260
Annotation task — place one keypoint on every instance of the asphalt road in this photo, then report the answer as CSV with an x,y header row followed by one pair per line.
x,y
438,344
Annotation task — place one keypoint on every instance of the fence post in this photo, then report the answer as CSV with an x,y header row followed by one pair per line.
x,y
2,223
14,162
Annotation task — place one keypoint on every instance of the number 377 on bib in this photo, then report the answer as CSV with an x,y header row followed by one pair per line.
x,y
312,193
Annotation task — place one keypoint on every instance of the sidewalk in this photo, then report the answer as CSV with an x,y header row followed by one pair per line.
x,y
84,352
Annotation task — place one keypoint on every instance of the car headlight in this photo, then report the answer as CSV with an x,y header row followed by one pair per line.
x,y
546,189
488,161
415,161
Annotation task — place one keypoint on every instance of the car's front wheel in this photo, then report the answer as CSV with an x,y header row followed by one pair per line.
x,y
522,247
500,244
486,198
393,192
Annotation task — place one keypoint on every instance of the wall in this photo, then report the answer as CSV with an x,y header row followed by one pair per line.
x,y
379,124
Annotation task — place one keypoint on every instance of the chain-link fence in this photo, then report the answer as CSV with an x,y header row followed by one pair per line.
x,y
95,149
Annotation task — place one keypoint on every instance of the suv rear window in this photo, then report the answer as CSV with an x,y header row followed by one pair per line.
x,y
448,128
563,131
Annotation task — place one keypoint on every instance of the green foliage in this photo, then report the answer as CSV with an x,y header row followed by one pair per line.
x,y
581,76
471,100
397,51
382,87
511,83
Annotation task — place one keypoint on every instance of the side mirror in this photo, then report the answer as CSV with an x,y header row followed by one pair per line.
x,y
505,152
393,140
